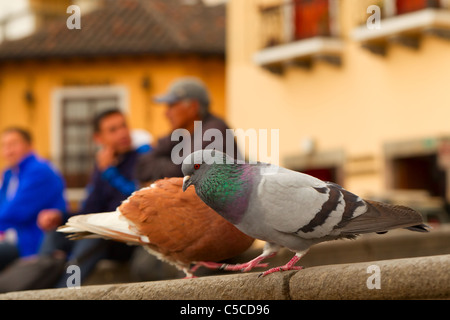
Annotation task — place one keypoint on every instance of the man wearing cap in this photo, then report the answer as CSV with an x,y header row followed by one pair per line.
x,y
187,101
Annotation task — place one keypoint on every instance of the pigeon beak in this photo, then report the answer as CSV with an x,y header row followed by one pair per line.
x,y
186,182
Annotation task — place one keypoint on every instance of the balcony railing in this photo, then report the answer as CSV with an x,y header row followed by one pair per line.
x,y
405,22
298,32
396,8
295,20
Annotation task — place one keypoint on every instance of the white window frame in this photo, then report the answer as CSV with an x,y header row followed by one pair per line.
x,y
57,97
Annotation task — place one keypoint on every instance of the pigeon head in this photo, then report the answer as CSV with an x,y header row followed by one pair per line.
x,y
219,181
197,165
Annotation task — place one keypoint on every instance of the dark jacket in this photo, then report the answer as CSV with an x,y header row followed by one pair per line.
x,y
159,164
109,188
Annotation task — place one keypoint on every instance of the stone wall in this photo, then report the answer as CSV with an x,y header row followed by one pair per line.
x,y
404,264
409,278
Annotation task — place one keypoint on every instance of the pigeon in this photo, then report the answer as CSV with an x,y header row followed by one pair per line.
x,y
175,226
286,208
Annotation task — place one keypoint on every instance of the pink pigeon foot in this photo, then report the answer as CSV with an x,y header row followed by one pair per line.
x,y
288,266
224,266
245,267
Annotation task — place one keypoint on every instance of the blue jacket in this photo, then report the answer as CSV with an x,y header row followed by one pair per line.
x,y
40,187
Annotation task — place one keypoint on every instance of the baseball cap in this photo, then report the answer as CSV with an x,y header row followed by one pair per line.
x,y
185,88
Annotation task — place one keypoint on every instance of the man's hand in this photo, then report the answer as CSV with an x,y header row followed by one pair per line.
x,y
49,219
105,158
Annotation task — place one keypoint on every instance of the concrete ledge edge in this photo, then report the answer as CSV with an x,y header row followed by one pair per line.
x,y
409,278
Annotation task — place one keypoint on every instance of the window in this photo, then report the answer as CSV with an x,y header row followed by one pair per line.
x,y
297,20
311,18
78,148
418,172
299,32
329,174
73,111
325,165
406,6
404,22
415,177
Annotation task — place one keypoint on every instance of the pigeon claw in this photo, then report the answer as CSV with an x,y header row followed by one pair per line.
x,y
243,267
278,269
228,267
288,266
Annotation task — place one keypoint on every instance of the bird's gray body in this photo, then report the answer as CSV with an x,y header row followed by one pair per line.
x,y
287,208
295,210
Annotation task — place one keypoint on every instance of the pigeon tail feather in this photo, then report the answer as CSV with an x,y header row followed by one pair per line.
x,y
381,217
107,225
419,228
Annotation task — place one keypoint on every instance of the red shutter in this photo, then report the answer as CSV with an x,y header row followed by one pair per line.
x,y
405,6
311,18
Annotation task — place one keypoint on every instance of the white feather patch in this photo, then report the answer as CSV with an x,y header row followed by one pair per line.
x,y
105,224
360,210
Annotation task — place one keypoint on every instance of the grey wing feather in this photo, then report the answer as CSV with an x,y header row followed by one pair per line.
x,y
294,195
381,217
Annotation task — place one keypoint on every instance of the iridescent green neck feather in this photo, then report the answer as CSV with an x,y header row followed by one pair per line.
x,y
226,189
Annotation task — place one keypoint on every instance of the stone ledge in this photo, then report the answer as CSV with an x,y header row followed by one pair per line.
x,y
410,278
396,244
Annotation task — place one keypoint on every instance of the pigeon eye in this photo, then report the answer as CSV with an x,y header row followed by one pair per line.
x,y
196,166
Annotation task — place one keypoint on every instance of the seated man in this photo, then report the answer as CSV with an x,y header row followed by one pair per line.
x,y
30,184
187,101
111,183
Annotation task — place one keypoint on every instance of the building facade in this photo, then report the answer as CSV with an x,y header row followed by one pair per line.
x,y
127,51
359,90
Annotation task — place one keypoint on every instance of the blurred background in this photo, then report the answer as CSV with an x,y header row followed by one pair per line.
x,y
366,107
53,80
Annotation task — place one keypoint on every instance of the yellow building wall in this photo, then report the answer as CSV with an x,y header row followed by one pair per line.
x,y
368,101
43,77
